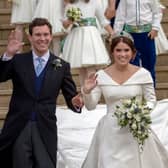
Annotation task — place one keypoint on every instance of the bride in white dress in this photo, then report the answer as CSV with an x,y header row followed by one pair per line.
x,y
112,146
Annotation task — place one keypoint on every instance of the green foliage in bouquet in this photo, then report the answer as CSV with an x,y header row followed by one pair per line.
x,y
136,115
74,14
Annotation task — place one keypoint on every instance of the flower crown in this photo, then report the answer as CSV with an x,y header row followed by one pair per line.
x,y
122,34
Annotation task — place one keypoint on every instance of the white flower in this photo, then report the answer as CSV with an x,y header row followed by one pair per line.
x,y
127,102
134,126
56,63
136,115
129,115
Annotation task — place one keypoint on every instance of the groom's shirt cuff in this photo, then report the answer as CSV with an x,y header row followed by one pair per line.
x,y
5,57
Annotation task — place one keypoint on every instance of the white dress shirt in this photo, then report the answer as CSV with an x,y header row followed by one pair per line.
x,y
45,58
137,12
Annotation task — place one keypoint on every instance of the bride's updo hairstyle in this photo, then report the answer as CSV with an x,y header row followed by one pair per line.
x,y
122,37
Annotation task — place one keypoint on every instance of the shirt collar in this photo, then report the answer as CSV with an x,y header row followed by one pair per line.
x,y
45,56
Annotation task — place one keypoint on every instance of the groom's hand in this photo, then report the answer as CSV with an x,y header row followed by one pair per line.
x,y
77,101
14,45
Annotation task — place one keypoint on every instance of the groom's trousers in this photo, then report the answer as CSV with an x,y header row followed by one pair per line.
x,y
29,150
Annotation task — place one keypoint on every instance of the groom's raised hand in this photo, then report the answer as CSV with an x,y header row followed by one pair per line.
x,y
14,44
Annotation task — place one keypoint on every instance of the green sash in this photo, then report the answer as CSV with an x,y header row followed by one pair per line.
x,y
137,28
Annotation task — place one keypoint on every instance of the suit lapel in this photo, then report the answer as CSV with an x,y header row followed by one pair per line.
x,y
50,75
29,74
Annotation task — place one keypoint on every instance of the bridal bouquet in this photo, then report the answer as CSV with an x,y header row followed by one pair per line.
x,y
136,115
74,14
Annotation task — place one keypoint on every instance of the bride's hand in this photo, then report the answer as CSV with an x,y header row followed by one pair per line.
x,y
90,83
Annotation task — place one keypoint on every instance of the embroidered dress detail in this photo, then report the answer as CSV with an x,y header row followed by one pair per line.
x,y
137,28
88,22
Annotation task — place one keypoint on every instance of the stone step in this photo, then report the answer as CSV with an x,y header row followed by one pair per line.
x,y
5,30
5,16
161,74
162,59
164,2
3,112
4,4
5,96
162,90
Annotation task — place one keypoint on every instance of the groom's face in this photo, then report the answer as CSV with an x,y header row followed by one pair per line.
x,y
40,39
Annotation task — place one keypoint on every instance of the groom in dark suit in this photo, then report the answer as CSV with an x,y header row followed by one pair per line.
x,y
29,135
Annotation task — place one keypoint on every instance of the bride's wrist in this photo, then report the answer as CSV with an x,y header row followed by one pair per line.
x,y
85,91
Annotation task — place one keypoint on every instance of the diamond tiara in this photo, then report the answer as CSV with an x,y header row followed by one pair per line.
x,y
122,34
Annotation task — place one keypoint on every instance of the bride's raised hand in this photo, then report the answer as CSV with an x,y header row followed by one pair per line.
x,y
90,83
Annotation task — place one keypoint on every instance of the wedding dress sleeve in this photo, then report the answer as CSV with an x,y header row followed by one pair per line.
x,y
148,89
91,100
149,95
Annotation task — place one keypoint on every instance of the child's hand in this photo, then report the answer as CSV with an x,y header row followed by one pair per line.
x,y
67,23
152,34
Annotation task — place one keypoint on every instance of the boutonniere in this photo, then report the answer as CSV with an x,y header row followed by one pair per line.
x,y
56,63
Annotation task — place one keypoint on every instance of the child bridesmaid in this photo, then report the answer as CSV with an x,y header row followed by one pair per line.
x,y
84,47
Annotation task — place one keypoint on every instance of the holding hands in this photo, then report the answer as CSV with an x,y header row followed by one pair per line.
x,y
77,101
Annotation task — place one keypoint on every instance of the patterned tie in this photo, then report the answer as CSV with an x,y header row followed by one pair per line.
x,y
39,66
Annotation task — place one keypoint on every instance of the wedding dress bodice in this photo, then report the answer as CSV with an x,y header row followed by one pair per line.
x,y
138,85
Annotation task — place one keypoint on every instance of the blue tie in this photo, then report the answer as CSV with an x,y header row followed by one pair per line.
x,y
39,66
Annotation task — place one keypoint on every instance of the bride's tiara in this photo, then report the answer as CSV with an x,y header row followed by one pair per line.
x,y
122,34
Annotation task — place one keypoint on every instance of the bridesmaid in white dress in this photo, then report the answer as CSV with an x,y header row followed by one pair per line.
x,y
108,7
83,47
161,40
113,146
53,11
22,13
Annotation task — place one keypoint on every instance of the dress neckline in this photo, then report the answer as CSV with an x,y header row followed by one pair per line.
x,y
125,80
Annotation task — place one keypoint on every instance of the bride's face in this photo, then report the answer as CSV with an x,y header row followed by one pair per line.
x,y
122,53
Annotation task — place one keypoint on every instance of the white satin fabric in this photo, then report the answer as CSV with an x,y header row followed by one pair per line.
x,y
161,42
84,46
94,136
75,131
51,10
23,12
